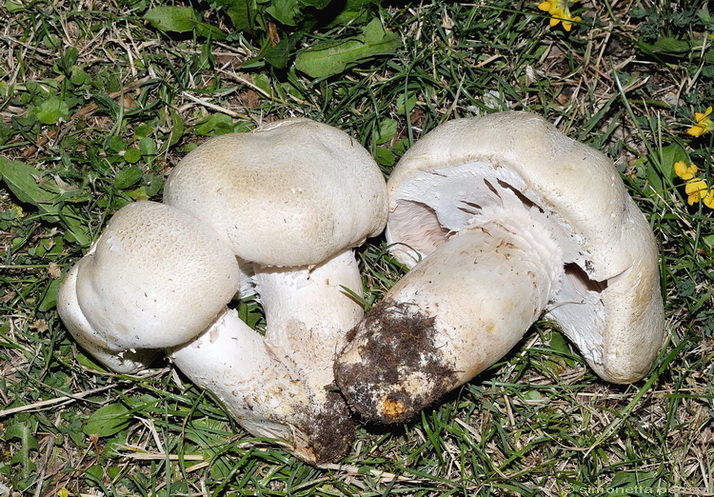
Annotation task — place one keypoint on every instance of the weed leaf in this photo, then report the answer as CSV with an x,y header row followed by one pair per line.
x,y
180,20
327,59
108,420
24,182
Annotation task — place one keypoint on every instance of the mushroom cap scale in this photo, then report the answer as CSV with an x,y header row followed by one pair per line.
x,y
291,194
155,278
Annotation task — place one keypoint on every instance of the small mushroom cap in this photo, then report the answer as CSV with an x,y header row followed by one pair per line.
x,y
610,304
289,194
92,342
155,278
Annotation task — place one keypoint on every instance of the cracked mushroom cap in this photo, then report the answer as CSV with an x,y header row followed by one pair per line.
x,y
155,278
609,300
293,193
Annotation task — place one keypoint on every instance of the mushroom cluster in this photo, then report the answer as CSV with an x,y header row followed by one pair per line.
x,y
503,219
274,212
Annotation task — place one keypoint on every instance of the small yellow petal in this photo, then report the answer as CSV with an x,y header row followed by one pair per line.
x,y
554,21
683,171
696,130
544,6
697,187
709,199
680,169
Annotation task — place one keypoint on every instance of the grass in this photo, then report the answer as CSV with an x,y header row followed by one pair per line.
x,y
98,106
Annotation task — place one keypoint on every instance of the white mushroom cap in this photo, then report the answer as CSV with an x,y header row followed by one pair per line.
x,y
91,340
155,278
289,194
513,178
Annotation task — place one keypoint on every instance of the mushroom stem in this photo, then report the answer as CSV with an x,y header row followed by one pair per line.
x,y
456,313
231,361
308,313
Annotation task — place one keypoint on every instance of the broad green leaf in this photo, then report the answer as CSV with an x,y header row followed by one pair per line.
x,y
215,124
386,131
52,110
175,19
177,128
26,434
243,14
116,143
154,184
285,12
278,55
405,103
666,46
78,76
76,226
23,432
180,20
327,59
24,181
384,156
670,154
352,10
315,4
132,155
671,46
13,7
127,177
143,130
108,420
49,298
147,146
709,240
660,170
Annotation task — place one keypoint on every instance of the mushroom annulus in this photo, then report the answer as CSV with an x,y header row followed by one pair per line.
x,y
502,219
286,204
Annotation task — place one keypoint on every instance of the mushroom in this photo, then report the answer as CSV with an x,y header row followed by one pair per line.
x,y
157,279
292,199
503,219
280,209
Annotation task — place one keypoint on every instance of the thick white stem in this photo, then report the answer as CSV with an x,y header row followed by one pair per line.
x,y
309,312
457,312
230,360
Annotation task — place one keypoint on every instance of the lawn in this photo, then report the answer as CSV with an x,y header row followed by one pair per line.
x,y
99,100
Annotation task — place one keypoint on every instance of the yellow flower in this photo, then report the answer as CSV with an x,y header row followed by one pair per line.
x,y
696,189
685,172
559,12
704,123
